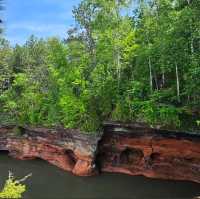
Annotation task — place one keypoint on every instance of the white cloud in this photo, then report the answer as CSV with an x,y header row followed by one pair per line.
x,y
35,27
40,30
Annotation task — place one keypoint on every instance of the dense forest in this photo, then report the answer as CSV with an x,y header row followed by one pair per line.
x,y
115,64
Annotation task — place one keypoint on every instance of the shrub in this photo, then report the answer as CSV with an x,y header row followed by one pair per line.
x,y
13,188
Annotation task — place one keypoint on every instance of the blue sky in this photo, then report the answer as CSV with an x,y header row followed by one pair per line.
x,y
43,18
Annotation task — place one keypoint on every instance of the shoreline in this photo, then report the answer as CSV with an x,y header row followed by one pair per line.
x,y
123,148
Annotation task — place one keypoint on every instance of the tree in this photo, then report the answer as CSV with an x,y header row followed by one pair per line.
x,y
13,188
1,20
111,66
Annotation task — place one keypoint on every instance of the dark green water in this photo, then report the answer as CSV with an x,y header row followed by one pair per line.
x,y
49,182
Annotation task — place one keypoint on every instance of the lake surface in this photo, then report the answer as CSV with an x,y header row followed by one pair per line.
x,y
49,182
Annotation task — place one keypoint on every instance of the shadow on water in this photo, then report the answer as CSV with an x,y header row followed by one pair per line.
x,y
49,182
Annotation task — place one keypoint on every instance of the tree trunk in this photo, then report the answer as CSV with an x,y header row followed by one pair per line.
x,y
150,75
177,83
188,1
163,79
192,46
118,56
156,80
118,68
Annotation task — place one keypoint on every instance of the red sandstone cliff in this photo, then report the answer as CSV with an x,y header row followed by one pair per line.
x,y
124,148
68,149
153,153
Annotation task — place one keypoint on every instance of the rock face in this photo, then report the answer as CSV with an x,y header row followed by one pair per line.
x,y
124,148
137,150
68,149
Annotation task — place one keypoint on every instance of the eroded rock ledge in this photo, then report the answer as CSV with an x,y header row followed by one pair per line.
x,y
124,148
137,150
68,149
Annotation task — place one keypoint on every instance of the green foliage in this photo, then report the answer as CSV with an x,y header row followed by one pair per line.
x,y
17,131
112,66
163,115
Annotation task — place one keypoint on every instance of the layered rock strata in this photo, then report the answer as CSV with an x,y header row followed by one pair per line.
x,y
137,150
123,148
68,149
